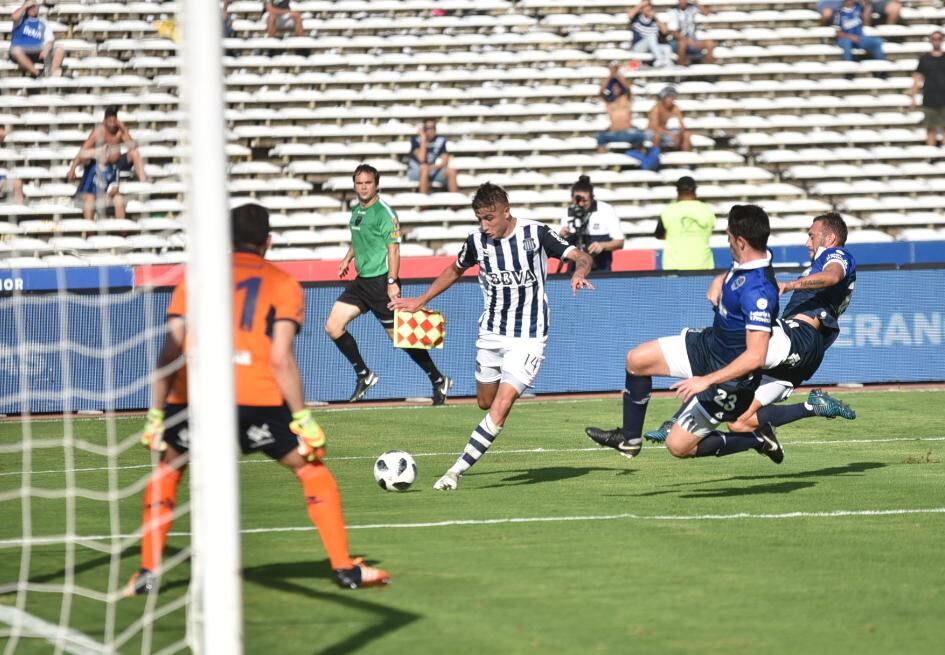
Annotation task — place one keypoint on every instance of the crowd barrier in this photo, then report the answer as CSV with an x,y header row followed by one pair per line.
x,y
89,351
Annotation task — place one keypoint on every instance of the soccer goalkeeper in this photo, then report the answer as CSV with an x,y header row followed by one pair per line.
x,y
272,418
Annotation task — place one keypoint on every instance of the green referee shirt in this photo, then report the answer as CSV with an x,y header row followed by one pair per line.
x,y
688,225
373,228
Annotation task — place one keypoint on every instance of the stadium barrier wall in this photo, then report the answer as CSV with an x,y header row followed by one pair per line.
x,y
894,331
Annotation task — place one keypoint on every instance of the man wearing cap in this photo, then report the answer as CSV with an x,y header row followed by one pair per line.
x,y
658,130
686,225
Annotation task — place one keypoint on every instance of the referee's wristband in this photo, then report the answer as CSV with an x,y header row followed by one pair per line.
x,y
392,280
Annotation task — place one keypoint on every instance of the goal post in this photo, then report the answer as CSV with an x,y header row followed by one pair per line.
x,y
216,609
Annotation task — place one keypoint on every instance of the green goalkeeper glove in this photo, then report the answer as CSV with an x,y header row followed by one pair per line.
x,y
310,435
152,436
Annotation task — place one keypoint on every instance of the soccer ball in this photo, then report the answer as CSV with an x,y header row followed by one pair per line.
x,y
395,470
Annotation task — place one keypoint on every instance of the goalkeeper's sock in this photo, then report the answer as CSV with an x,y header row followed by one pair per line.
x,y
636,397
424,361
160,497
783,414
324,508
479,442
349,348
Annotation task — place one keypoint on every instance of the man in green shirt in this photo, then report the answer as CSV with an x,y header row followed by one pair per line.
x,y
375,249
686,225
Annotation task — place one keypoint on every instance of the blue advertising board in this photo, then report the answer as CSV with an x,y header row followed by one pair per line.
x,y
69,352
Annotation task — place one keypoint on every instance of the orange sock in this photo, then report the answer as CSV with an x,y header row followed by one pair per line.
x,y
324,508
160,497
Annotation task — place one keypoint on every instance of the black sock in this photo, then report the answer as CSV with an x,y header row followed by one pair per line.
x,y
349,348
784,414
424,361
720,444
636,396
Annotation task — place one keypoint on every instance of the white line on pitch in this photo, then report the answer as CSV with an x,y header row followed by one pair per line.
x,y
69,640
829,514
510,451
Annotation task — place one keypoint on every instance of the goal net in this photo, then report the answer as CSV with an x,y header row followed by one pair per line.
x,y
81,325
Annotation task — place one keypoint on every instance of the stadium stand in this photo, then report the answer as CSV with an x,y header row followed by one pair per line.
x,y
778,119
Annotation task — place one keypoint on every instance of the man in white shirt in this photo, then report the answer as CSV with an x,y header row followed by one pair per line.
x,y
592,225
683,22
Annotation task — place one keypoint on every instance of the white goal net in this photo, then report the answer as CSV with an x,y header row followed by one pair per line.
x,y
80,330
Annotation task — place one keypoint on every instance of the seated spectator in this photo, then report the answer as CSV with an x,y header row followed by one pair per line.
x,y
278,11
108,150
228,31
887,11
648,32
618,100
683,27
33,41
850,20
429,161
659,132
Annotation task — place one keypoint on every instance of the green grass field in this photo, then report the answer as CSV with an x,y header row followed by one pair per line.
x,y
552,545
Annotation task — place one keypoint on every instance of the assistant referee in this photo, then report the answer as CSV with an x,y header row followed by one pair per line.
x,y
375,249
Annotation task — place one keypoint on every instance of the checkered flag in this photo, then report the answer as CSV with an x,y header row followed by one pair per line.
x,y
424,329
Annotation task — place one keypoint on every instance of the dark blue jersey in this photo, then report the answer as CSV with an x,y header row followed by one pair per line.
x,y
826,304
749,302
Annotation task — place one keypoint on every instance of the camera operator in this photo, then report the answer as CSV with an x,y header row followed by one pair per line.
x,y
592,225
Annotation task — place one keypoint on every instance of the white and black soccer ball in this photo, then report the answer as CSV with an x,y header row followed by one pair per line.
x,y
395,470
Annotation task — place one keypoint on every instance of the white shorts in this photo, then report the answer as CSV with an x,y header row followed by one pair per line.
x,y
695,420
676,355
508,359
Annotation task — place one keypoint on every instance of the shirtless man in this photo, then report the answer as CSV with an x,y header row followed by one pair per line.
x,y
103,159
657,130
618,100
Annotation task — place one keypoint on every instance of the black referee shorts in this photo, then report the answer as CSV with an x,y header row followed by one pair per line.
x,y
370,293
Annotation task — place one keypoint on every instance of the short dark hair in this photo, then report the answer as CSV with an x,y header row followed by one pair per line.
x,y
367,168
489,195
685,184
751,223
834,223
583,184
110,111
249,225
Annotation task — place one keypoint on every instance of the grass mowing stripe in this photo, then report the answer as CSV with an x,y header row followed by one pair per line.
x,y
510,451
836,513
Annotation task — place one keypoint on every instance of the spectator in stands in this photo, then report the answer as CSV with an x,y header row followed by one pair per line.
x,y
886,11
686,225
648,34
684,30
278,10
591,225
10,185
429,163
659,131
850,20
618,100
228,31
103,160
32,42
930,77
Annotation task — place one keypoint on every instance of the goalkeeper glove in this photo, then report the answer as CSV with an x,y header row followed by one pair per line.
x,y
152,436
310,435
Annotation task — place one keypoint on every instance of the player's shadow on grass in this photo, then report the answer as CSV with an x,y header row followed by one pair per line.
x,y
283,577
546,474
802,478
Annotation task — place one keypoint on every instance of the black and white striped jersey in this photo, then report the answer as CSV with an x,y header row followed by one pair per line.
x,y
512,274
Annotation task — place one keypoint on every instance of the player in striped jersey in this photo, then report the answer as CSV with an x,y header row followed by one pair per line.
x,y
512,255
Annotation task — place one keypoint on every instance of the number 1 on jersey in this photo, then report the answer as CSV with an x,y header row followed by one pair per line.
x,y
251,285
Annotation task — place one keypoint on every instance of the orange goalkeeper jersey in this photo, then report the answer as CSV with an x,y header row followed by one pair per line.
x,y
262,295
